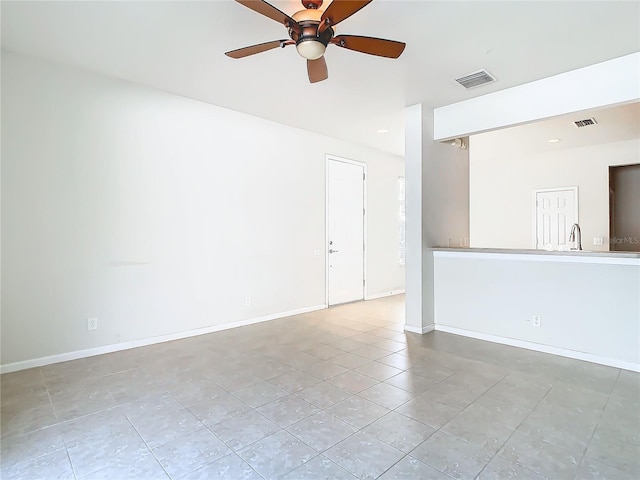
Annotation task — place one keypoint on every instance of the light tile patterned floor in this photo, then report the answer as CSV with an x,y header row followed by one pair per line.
x,y
342,393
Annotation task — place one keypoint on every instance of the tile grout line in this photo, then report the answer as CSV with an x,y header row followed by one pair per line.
x,y
148,447
439,429
66,449
46,387
325,410
204,426
441,426
408,454
515,430
584,454
394,410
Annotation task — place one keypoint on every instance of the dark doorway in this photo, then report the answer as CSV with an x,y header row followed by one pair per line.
x,y
624,208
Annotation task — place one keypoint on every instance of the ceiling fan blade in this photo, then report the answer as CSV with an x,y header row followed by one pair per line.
x,y
272,12
253,49
340,10
317,70
370,45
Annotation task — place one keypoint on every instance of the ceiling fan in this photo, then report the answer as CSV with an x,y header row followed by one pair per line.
x,y
311,30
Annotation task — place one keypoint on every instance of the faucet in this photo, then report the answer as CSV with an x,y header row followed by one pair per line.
x,y
577,241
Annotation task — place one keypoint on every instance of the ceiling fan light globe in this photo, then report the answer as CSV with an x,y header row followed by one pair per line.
x,y
311,49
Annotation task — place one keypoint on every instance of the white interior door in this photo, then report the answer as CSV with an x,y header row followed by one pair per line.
x,y
556,211
345,231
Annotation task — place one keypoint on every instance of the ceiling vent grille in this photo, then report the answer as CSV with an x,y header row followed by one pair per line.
x,y
475,79
585,123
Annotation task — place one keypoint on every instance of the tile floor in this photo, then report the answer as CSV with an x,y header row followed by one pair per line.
x,y
337,394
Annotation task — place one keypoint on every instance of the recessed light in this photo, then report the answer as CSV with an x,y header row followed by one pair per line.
x,y
553,140
382,130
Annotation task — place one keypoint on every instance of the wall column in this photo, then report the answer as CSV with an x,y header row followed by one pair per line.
x,y
437,210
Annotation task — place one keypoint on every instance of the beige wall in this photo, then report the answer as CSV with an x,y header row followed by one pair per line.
x,y
501,189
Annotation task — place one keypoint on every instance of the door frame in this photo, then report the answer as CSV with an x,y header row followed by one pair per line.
x,y
335,158
574,188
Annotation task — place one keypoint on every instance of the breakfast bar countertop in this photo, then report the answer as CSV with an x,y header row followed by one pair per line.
x,y
565,253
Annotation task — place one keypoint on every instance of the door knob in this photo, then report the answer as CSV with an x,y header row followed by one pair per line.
x,y
331,250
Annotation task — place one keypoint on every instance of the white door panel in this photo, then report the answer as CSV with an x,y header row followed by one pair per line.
x,y
556,212
345,203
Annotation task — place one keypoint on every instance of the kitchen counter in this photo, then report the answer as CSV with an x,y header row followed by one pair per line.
x,y
570,256
586,304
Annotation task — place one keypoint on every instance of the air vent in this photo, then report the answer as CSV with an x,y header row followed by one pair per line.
x,y
585,123
475,79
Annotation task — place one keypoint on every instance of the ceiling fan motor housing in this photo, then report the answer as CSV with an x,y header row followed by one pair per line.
x,y
309,20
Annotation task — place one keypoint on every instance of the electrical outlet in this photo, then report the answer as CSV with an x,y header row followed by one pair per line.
x,y
247,301
598,241
316,253
92,324
536,320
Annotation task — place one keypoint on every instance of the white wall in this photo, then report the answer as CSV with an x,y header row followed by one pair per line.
x,y
501,189
158,214
437,209
588,310
416,294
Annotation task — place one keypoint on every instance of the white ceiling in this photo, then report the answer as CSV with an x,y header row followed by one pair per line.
x,y
614,124
178,47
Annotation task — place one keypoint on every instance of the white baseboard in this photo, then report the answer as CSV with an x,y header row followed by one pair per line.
x,y
90,352
538,347
420,330
385,294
